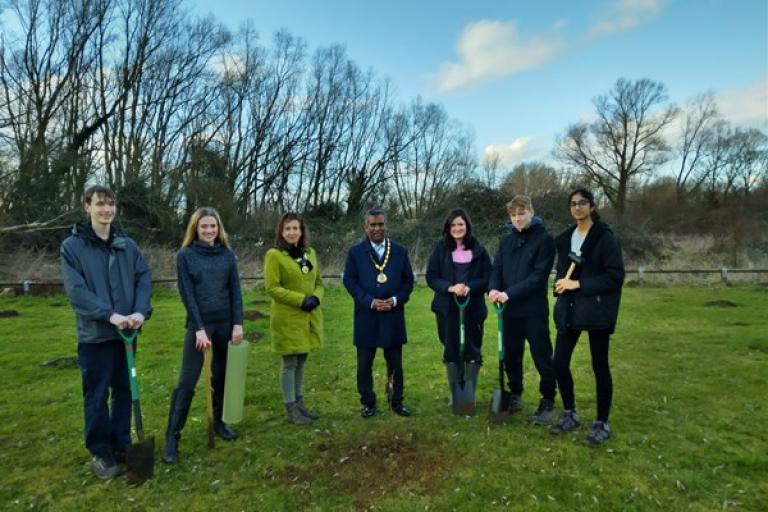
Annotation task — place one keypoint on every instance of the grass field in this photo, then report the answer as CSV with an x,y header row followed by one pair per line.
x,y
689,364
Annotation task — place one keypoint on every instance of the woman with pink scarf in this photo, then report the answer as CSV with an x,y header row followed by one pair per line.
x,y
459,267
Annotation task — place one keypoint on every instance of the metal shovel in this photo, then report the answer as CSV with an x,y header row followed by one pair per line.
x,y
501,398
462,380
139,456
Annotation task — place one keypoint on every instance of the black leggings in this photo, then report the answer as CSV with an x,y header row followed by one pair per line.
x,y
598,347
192,363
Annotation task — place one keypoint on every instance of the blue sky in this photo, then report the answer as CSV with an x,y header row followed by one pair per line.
x,y
519,72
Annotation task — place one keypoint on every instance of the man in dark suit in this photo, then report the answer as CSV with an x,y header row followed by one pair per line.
x,y
378,276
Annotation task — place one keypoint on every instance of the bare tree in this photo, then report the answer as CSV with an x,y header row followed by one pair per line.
x,y
169,108
745,161
40,66
624,142
439,156
696,134
492,164
368,147
263,114
534,179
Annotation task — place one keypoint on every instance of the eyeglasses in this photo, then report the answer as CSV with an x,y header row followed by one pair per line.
x,y
582,203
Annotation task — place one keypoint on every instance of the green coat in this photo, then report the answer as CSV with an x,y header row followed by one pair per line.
x,y
293,331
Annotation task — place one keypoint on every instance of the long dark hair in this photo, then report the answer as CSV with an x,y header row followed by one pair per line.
x,y
469,240
280,242
589,196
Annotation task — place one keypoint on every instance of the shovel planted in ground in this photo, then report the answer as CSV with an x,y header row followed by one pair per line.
x,y
501,398
461,376
389,389
139,456
209,395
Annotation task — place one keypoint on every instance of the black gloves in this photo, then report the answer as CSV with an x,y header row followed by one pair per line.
x,y
309,303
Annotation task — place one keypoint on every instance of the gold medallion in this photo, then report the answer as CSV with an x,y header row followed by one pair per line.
x,y
305,269
381,278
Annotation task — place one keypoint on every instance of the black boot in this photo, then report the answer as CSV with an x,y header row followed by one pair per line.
x,y
177,417
221,429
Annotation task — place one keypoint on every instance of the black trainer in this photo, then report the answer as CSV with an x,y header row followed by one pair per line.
x,y
544,414
104,467
598,433
569,420
515,403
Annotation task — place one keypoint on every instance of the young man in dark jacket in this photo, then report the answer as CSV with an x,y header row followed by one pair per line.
x,y
108,283
519,281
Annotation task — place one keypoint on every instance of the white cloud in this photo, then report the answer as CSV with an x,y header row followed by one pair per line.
x,y
624,16
230,64
747,106
489,50
511,153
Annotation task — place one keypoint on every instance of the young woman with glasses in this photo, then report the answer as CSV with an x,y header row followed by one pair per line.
x,y
590,273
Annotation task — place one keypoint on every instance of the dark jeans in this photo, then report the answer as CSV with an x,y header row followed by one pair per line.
x,y
536,330
394,358
192,363
104,371
598,347
448,332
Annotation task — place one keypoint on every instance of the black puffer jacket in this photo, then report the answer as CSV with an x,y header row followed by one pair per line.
x,y
440,276
595,305
521,270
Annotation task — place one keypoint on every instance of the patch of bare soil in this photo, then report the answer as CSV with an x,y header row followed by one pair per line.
x,y
405,464
721,303
253,336
252,314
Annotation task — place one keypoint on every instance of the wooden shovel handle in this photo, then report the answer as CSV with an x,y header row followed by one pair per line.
x,y
209,395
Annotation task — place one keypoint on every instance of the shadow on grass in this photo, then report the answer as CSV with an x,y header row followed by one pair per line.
x,y
369,470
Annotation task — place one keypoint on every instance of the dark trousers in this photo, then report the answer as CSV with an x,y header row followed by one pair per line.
x,y
536,330
394,358
598,347
104,371
448,332
192,363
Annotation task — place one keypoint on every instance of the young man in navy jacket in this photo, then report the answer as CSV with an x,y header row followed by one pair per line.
x,y
519,281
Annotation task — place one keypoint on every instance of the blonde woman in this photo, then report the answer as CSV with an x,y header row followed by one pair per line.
x,y
209,285
292,279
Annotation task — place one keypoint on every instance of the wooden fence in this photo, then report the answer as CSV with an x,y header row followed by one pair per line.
x,y
31,287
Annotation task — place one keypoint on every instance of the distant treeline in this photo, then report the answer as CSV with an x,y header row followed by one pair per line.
x,y
174,111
